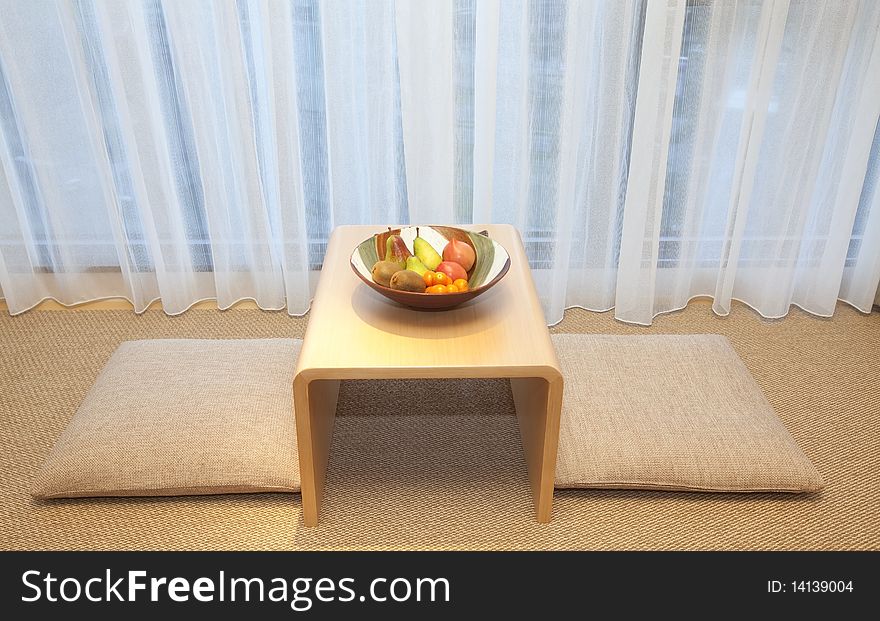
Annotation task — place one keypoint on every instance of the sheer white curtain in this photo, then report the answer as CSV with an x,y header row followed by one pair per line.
x,y
648,151
151,150
782,109
665,150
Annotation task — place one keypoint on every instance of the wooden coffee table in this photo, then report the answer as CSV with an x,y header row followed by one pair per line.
x,y
355,333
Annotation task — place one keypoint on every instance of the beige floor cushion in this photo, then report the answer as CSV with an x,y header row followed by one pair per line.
x,y
179,417
671,413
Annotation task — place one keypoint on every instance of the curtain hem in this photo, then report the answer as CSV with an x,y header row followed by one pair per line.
x,y
693,297
158,299
549,325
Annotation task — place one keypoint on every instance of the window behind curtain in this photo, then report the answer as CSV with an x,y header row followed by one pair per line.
x,y
546,76
547,73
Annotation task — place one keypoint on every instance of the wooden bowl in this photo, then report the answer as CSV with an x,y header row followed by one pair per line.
x,y
492,263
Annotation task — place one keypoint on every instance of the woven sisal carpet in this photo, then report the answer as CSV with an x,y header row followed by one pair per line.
x,y
437,465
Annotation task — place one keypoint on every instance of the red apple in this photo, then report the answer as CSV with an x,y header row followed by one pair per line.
x,y
460,252
452,269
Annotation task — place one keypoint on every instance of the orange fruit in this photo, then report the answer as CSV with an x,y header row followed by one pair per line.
x,y
461,284
436,289
451,289
429,278
441,279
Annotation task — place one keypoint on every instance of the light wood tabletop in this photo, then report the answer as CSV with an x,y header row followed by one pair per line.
x,y
355,333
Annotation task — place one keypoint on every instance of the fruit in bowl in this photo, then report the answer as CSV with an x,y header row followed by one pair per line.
x,y
407,280
383,271
396,251
459,252
430,267
455,271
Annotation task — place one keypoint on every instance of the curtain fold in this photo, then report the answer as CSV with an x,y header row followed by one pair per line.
x,y
648,151
637,267
363,113
213,70
426,58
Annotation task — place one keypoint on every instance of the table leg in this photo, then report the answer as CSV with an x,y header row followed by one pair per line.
x,y
538,409
315,410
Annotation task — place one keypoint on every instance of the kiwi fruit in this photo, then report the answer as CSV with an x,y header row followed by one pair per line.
x,y
407,280
383,271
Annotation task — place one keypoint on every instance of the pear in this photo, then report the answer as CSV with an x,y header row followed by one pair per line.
x,y
426,253
413,264
396,250
383,271
406,280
